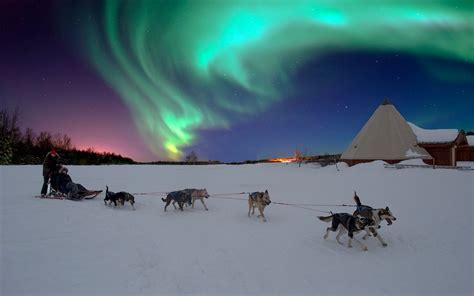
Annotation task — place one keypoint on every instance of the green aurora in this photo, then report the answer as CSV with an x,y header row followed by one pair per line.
x,y
184,66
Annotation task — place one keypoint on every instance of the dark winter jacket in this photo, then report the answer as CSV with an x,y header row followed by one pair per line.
x,y
50,165
75,191
61,182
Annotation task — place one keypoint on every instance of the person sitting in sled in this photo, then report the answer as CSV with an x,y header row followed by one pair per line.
x,y
71,190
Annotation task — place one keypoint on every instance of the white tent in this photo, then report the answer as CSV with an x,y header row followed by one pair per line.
x,y
385,136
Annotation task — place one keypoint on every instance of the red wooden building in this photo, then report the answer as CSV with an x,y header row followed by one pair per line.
x,y
446,146
389,137
465,151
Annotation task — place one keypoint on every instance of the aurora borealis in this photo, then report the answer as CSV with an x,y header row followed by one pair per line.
x,y
194,72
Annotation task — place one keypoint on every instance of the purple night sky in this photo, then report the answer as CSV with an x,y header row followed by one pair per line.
x,y
333,92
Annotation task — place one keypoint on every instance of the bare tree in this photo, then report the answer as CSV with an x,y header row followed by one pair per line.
x,y
61,141
9,125
44,141
300,157
191,157
29,137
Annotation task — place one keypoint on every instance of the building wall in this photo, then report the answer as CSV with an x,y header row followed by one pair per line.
x,y
443,155
465,153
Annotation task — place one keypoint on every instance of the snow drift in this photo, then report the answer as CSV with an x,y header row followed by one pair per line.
x,y
86,248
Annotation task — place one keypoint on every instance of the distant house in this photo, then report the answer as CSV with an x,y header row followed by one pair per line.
x,y
389,137
442,144
386,136
465,151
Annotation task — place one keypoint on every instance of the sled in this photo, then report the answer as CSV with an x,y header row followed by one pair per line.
x,y
92,194
49,197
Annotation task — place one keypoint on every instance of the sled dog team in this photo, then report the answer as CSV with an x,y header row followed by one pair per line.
x,y
364,218
185,197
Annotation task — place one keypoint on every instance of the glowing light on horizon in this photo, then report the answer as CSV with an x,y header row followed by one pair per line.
x,y
177,65
283,160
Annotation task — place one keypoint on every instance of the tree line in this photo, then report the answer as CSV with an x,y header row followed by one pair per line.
x,y
17,147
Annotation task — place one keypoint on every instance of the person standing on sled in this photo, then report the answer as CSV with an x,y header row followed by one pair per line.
x,y
50,171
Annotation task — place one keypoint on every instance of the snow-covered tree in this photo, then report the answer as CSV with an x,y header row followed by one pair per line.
x,y
6,151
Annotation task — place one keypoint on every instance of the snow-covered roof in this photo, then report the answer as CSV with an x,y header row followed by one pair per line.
x,y
434,135
470,140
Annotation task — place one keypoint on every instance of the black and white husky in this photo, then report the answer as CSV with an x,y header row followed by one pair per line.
x,y
118,198
375,215
346,223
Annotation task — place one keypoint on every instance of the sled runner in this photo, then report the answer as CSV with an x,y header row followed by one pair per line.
x,y
92,194
87,195
50,197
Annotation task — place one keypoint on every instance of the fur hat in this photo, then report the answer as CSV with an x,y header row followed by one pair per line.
x,y
63,170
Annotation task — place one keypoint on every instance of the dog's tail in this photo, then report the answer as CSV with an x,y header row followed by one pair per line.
x,y
325,219
164,200
357,199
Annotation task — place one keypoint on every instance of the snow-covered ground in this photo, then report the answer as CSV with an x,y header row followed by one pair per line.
x,y
85,248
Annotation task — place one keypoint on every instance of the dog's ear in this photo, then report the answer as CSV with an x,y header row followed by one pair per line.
x,y
387,209
266,191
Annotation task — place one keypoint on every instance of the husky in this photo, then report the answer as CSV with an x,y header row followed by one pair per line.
x,y
197,194
119,197
259,200
375,215
179,197
346,223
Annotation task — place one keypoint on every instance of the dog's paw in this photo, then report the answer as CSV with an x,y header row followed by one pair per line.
x,y
384,244
365,248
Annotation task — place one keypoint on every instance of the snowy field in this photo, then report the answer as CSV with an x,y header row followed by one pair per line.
x,y
64,247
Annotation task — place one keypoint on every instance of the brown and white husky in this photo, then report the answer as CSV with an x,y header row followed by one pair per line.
x,y
376,215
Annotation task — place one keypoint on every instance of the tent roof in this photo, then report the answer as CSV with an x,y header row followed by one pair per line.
x,y
385,136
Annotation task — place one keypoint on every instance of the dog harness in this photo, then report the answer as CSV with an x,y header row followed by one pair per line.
x,y
254,196
362,208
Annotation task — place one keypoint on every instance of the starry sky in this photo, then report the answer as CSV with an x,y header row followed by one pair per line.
x,y
233,80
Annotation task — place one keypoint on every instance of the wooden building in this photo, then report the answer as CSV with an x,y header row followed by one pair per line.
x,y
465,151
442,144
389,137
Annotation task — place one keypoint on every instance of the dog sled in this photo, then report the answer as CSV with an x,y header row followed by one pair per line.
x,y
90,194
